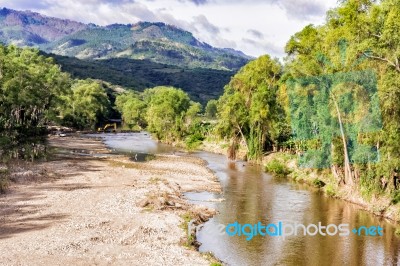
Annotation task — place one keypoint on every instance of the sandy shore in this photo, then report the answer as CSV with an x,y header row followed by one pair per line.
x,y
85,207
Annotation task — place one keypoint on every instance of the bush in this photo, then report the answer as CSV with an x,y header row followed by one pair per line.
x,y
318,183
192,142
277,168
395,197
330,190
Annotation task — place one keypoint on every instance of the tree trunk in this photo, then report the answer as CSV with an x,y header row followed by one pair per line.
x,y
243,137
348,175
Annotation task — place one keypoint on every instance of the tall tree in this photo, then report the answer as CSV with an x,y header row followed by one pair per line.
x,y
86,105
132,108
168,111
30,89
248,110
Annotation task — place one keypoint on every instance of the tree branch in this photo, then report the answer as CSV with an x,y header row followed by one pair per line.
x,y
376,35
393,64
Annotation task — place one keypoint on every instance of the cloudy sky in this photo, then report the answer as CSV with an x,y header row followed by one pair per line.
x,y
255,27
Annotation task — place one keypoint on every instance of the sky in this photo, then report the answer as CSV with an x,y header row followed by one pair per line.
x,y
255,27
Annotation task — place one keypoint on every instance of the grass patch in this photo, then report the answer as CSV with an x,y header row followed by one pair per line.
x,y
123,165
212,259
190,237
277,168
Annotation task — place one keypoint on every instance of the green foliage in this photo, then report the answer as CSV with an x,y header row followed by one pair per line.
x,y
132,108
278,168
30,90
358,37
187,217
318,183
212,109
167,112
86,105
330,190
315,103
249,111
200,83
196,134
395,197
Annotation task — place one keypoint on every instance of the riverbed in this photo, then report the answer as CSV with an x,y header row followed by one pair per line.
x,y
87,205
250,196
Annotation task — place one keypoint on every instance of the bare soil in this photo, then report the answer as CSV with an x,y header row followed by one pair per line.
x,y
88,207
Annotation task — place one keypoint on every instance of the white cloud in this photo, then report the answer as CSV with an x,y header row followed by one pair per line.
x,y
254,26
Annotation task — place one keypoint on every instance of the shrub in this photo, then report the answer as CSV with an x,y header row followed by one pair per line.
x,y
277,168
395,197
330,190
318,183
193,141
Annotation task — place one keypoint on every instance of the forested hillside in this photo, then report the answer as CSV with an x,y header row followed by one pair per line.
x,y
201,84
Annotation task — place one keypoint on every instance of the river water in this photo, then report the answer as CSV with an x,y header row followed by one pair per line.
x,y
252,196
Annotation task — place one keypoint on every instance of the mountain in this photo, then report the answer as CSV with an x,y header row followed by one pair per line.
x,y
157,42
200,83
32,29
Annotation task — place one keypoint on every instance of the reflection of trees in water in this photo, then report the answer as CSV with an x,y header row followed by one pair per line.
x,y
341,250
252,196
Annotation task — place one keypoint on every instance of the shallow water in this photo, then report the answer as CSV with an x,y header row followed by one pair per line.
x,y
251,196
139,146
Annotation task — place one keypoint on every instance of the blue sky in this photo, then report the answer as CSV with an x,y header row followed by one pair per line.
x,y
255,27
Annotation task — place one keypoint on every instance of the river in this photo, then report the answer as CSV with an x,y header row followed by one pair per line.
x,y
252,196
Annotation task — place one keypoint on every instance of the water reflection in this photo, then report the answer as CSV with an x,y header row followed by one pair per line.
x,y
252,196
133,143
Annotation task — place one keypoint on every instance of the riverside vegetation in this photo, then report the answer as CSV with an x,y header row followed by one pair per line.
x,y
265,109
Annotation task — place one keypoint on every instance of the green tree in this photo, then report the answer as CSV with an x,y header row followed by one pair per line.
x,y
30,90
169,110
370,29
86,105
132,108
212,109
248,111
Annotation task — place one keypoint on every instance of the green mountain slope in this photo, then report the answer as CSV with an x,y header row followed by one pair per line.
x,y
158,42
201,84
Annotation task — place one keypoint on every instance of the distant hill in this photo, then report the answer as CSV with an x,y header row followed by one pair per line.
x,y
200,83
157,42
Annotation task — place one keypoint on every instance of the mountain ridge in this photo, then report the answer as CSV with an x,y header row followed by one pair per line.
x,y
156,41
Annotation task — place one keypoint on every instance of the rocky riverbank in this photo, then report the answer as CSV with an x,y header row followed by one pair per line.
x,y
87,206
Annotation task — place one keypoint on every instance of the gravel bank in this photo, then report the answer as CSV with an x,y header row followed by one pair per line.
x,y
86,210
